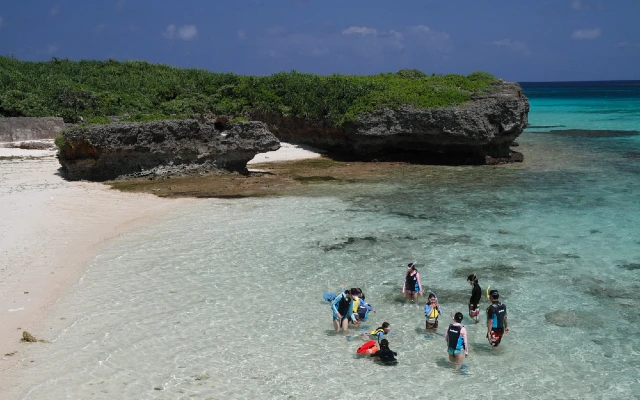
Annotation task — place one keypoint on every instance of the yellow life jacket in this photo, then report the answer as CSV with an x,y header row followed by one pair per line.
x,y
376,331
434,313
356,304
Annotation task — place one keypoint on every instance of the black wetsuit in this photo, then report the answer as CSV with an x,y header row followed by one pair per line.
x,y
386,356
476,294
343,306
411,283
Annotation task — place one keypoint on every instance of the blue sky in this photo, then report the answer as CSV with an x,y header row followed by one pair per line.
x,y
520,40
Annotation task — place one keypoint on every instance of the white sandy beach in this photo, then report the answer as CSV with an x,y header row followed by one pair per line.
x,y
49,231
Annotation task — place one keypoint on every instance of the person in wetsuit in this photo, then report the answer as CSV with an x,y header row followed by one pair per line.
x,y
432,311
474,301
457,343
412,286
342,307
382,330
360,307
497,323
385,355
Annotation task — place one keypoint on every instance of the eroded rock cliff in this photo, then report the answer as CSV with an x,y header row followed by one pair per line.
x,y
478,132
104,152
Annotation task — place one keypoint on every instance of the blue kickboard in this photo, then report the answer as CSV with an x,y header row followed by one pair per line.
x,y
328,296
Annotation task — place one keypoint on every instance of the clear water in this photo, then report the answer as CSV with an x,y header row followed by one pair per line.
x,y
222,299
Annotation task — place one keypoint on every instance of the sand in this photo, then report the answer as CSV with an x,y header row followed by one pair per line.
x,y
287,152
51,229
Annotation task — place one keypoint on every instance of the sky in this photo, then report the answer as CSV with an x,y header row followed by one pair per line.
x,y
517,40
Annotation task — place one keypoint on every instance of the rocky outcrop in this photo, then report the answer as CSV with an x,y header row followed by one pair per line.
x,y
478,132
27,337
42,144
161,148
19,129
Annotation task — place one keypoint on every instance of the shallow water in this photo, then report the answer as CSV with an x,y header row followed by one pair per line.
x,y
222,299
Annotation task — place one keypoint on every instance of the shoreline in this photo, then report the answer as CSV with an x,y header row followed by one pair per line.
x,y
51,231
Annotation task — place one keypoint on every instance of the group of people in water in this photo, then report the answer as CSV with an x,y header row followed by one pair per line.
x,y
350,307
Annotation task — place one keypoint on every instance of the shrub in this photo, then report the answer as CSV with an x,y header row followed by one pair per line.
x,y
147,92
411,74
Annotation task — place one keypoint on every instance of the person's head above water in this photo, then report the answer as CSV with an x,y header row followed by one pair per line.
x,y
472,279
411,266
384,344
386,327
354,292
458,317
494,295
432,297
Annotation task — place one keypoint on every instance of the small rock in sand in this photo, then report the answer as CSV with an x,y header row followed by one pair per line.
x,y
27,337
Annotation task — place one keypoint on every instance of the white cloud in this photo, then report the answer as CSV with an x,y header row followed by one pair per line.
x,y
169,32
359,41
587,33
431,38
396,35
419,29
513,45
242,34
626,43
433,35
54,11
359,30
186,32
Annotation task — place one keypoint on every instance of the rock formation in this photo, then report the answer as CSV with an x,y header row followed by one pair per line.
x,y
104,152
478,132
25,128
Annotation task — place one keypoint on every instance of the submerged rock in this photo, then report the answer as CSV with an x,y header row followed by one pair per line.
x,y
477,132
160,148
572,319
631,266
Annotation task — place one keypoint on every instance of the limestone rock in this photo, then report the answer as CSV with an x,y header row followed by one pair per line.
x,y
160,148
478,132
27,128
27,337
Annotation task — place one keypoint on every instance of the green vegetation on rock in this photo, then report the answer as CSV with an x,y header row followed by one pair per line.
x,y
141,91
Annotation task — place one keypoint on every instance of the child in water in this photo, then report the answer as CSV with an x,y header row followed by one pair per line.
x,y
412,286
382,330
385,355
474,301
457,343
432,311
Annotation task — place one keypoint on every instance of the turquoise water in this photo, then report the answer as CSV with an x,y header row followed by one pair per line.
x,y
222,299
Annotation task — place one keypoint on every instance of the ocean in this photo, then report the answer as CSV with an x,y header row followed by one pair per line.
x,y
223,299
